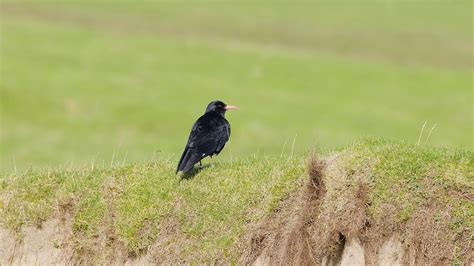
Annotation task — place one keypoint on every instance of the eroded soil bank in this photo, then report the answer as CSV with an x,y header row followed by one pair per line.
x,y
377,204
283,238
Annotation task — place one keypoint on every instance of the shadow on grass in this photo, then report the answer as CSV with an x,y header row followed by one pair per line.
x,y
190,175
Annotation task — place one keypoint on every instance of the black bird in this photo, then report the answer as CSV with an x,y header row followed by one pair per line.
x,y
208,136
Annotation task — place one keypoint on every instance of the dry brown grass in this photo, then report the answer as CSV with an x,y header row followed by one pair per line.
x,y
285,238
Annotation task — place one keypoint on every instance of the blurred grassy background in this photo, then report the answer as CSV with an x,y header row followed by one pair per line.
x,y
88,81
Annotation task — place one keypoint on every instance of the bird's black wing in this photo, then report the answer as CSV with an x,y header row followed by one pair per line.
x,y
225,137
208,136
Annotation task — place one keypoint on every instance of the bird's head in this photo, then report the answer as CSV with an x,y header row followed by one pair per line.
x,y
219,107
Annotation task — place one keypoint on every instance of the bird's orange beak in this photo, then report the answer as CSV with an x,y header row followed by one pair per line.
x,y
231,107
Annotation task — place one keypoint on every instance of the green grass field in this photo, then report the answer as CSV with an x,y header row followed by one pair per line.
x,y
97,99
84,82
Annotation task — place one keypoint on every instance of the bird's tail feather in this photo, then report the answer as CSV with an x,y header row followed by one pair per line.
x,y
188,160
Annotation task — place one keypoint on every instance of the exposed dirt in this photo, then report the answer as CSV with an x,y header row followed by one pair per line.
x,y
37,246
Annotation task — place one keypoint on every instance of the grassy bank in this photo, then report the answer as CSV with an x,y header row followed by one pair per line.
x,y
205,215
145,208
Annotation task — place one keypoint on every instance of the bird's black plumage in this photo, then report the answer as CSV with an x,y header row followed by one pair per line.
x,y
208,136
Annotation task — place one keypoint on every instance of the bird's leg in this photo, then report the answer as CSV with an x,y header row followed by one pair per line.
x,y
200,164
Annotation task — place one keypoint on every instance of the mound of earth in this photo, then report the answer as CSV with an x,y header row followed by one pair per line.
x,y
375,203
